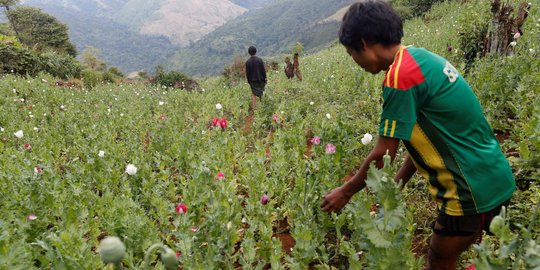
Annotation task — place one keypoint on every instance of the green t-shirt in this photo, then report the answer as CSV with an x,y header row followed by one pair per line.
x,y
432,109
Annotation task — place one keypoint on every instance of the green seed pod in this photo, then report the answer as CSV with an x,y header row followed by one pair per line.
x,y
168,257
496,225
112,250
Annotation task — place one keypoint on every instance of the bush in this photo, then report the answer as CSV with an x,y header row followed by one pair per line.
x,y
91,78
173,79
17,60
61,65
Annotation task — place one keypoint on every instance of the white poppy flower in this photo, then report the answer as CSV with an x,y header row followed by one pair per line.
x,y
328,116
36,129
218,106
2,129
19,134
311,103
513,43
367,139
62,107
161,103
131,169
101,153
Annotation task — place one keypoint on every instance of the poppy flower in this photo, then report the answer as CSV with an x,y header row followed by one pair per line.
x,y
27,146
223,123
471,267
38,169
181,208
131,169
275,118
215,122
315,140
101,153
162,116
219,176
367,139
218,106
31,217
330,148
19,134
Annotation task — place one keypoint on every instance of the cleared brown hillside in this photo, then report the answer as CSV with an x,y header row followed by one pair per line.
x,y
184,21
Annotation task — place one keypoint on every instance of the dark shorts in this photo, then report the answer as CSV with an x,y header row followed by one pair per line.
x,y
465,225
257,88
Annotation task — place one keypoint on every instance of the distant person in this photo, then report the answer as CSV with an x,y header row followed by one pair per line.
x,y
289,68
432,110
255,75
296,65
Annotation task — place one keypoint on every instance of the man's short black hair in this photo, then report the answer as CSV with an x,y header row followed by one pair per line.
x,y
252,50
373,21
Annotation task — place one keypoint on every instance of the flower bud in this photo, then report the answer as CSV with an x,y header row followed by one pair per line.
x,y
169,259
496,225
112,250
264,199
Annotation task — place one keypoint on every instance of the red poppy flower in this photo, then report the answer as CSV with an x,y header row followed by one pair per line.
x,y
181,208
223,123
215,122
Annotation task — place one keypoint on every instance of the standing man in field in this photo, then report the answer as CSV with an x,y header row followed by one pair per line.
x,y
433,111
255,75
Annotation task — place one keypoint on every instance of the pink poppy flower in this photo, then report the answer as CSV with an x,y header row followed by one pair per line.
x,y
471,267
178,254
38,169
181,208
223,123
264,199
215,122
194,229
219,176
27,146
315,140
31,217
330,148
275,118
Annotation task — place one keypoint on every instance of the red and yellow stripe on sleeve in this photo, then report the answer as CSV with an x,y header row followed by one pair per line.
x,y
404,73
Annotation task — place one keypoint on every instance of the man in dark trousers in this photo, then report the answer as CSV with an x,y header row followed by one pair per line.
x,y
255,75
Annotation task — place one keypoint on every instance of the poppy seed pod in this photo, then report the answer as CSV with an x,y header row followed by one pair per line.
x,y
112,250
169,259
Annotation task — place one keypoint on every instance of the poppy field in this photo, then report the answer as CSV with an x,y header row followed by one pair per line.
x,y
202,176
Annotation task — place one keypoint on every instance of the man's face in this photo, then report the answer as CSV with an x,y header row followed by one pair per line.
x,y
366,59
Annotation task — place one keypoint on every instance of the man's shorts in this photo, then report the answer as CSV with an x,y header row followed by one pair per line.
x,y
257,88
465,225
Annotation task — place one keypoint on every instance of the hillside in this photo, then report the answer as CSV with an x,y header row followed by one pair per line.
x,y
274,30
181,21
146,164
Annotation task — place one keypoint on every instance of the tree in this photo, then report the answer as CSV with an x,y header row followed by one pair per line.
x,y
40,30
7,4
506,26
90,57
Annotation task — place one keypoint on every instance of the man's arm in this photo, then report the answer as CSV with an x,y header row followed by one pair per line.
x,y
406,171
339,197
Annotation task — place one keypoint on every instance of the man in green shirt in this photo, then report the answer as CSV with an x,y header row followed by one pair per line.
x,y
433,111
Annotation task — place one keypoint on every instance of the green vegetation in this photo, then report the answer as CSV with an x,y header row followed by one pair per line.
x,y
66,184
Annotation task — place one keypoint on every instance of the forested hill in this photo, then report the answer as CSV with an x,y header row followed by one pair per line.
x,y
273,29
